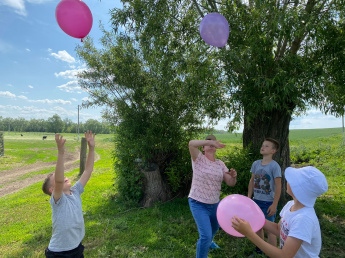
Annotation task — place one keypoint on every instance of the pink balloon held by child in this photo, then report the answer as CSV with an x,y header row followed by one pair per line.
x,y
242,207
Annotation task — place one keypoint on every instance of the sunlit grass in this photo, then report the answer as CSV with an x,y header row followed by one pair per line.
x,y
118,229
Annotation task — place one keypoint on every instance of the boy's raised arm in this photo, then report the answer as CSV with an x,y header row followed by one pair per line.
x,y
90,138
59,176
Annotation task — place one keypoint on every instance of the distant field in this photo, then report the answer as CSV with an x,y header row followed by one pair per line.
x,y
295,135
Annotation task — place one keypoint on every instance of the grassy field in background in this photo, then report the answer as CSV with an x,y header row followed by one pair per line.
x,y
117,229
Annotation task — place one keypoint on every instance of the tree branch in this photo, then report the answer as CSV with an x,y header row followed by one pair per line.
x,y
198,8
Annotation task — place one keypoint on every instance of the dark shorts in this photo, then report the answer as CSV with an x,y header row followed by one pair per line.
x,y
75,253
264,206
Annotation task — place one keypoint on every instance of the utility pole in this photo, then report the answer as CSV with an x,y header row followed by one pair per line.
x,y
78,123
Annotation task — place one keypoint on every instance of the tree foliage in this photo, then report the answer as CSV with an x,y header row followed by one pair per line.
x,y
41,125
276,62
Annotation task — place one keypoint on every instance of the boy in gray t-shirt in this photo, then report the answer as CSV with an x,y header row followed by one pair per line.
x,y
67,214
265,183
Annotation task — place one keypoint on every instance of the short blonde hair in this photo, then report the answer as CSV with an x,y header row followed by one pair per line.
x,y
47,184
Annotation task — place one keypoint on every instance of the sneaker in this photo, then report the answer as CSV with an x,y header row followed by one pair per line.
x,y
214,246
258,250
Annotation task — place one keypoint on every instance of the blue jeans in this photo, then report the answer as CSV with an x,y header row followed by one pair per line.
x,y
264,207
205,216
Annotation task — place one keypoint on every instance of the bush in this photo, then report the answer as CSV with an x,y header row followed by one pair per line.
x,y
241,160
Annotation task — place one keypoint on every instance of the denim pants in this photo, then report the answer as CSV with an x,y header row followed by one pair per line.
x,y
205,216
264,207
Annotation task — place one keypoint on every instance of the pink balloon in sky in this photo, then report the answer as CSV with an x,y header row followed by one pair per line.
x,y
74,18
214,29
244,208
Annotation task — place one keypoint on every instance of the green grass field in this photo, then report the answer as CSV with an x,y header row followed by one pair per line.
x,y
117,229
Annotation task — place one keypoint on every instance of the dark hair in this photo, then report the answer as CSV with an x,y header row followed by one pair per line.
x,y
46,184
275,143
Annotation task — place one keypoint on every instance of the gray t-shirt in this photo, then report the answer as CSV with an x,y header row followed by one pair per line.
x,y
264,186
68,220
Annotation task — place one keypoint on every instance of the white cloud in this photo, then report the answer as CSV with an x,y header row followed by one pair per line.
x,y
71,87
51,101
9,85
63,56
70,74
22,97
33,112
17,5
31,87
74,99
7,94
27,49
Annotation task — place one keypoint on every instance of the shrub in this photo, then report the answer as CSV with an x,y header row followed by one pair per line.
x,y
241,160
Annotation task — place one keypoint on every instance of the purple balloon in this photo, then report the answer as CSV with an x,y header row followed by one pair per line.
x,y
214,29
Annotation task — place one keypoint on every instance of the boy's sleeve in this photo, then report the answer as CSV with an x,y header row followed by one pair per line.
x,y
252,169
78,187
277,171
52,201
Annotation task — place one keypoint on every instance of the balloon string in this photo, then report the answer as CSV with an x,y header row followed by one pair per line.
x,y
81,40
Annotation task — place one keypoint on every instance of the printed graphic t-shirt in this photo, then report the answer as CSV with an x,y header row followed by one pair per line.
x,y
207,179
264,175
302,224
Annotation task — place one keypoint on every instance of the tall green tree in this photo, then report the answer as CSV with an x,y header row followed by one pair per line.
x,y
55,124
276,62
153,99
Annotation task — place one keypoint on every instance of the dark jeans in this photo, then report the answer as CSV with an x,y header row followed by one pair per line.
x,y
75,253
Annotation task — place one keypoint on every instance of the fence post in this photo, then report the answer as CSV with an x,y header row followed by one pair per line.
x,y
2,145
83,150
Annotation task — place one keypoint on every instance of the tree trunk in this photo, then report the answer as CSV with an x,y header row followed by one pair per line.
x,y
274,125
154,188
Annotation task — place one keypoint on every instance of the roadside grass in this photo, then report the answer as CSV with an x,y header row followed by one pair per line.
x,y
118,229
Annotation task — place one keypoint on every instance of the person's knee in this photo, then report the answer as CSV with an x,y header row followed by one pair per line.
x,y
206,237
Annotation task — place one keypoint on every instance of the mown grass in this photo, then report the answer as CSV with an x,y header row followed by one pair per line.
x,y
117,229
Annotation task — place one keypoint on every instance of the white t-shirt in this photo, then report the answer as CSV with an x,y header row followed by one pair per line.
x,y
304,225
68,220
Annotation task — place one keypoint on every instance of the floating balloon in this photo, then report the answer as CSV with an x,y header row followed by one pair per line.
x,y
244,208
214,29
74,18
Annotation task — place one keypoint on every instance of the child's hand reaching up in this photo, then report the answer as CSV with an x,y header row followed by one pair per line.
x,y
90,138
60,142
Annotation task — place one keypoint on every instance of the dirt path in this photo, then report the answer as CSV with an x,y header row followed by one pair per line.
x,y
13,180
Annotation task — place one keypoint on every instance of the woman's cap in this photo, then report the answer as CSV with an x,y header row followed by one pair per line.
x,y
306,184
211,137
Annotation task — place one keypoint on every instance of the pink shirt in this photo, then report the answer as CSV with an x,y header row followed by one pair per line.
x,y
207,179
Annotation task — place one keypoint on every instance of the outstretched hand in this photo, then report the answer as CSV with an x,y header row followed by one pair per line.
x,y
241,225
218,144
90,138
60,142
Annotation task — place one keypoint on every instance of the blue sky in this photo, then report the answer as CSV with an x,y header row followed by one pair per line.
x,y
38,64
